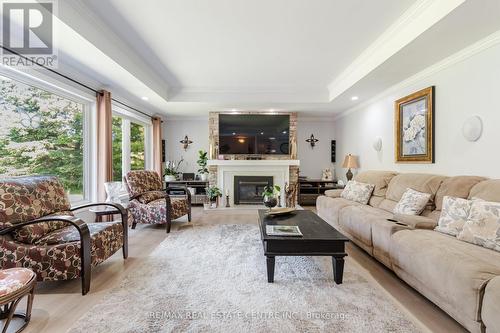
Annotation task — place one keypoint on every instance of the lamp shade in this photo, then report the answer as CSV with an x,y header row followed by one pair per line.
x,y
350,162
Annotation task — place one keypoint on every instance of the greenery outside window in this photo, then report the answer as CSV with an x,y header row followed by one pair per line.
x,y
130,142
42,132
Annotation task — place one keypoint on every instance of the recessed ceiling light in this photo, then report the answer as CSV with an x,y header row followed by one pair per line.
x,y
284,132
234,133
261,133
354,98
145,98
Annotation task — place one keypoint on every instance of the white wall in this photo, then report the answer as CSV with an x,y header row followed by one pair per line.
x,y
313,160
470,87
174,131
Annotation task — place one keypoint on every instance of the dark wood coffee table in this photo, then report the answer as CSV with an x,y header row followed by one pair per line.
x,y
319,239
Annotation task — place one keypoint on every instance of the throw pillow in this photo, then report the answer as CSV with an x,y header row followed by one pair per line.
x,y
358,192
453,215
412,202
483,225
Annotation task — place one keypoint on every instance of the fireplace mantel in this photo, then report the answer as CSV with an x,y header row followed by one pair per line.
x,y
222,173
249,163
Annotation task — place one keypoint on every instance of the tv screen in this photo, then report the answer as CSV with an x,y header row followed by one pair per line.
x,y
254,134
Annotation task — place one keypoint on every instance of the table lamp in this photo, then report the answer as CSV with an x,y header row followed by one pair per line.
x,y
350,162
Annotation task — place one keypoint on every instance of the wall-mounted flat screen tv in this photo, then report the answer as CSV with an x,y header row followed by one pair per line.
x,y
254,134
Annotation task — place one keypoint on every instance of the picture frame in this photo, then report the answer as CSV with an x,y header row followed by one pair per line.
x,y
414,127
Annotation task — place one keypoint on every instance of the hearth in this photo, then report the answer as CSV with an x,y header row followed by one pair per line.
x,y
248,189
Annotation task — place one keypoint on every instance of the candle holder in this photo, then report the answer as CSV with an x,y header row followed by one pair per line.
x,y
227,201
279,200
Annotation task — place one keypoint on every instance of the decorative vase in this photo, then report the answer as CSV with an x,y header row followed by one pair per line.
x,y
270,201
213,203
203,177
170,178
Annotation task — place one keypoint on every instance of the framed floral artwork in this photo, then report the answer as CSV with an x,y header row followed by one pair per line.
x,y
414,127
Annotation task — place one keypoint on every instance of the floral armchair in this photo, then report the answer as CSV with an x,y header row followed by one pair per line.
x,y
150,204
38,230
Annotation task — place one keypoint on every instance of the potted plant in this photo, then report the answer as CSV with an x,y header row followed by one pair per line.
x,y
172,170
213,193
202,163
270,196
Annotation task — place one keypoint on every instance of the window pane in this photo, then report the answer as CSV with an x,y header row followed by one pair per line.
x,y
41,133
117,148
136,147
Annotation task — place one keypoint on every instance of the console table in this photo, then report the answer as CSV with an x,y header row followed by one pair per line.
x,y
310,189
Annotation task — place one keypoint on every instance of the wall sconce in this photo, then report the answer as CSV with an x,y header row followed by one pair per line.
x,y
377,143
312,140
186,142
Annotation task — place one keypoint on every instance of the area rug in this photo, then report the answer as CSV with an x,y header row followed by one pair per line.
x,y
213,279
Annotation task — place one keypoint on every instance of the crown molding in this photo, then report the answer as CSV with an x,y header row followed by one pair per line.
x,y
466,53
416,20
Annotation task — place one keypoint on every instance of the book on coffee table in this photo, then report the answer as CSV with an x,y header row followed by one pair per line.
x,y
283,230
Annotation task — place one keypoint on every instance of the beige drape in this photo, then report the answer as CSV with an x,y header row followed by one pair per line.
x,y
157,156
104,142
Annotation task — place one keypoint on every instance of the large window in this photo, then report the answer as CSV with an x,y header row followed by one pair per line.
x,y
130,137
137,147
117,148
41,133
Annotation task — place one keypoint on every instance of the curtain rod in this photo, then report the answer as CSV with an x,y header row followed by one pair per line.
x,y
97,92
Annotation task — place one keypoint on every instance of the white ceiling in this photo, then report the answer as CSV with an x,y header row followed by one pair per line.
x,y
190,57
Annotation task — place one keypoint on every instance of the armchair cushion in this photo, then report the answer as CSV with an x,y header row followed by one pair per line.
x,y
140,181
155,212
151,196
61,260
28,198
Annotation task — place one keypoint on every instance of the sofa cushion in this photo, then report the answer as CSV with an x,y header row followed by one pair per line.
x,y
458,187
356,221
329,208
491,306
412,202
454,215
426,183
451,273
334,193
415,221
380,179
488,190
358,192
483,225
382,230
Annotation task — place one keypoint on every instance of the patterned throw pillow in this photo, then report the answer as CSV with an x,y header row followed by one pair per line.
x,y
483,225
454,214
356,191
412,202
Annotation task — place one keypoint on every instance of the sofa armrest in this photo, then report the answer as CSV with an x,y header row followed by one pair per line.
x,y
416,221
491,305
333,193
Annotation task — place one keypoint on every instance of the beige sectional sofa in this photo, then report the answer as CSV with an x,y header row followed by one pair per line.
x,y
461,278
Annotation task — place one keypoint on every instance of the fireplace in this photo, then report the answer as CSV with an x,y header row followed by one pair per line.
x,y
248,189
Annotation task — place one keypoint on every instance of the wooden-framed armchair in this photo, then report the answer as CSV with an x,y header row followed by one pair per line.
x,y
150,203
38,230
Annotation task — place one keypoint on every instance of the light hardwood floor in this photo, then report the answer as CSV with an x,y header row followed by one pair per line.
x,y
59,304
